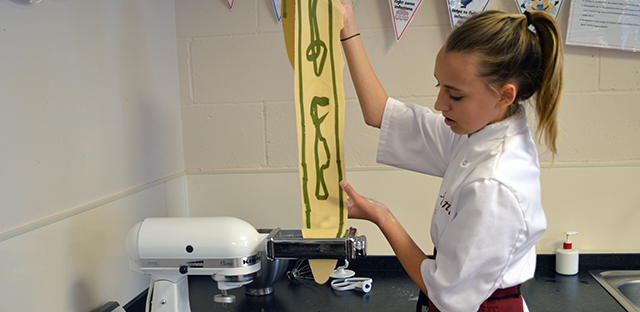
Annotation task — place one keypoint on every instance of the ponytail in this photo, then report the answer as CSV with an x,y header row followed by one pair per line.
x,y
548,97
523,48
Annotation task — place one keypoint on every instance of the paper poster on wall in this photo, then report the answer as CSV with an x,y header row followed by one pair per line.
x,y
230,3
549,6
402,12
277,5
460,10
613,24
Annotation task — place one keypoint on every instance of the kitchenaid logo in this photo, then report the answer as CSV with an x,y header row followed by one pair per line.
x,y
238,262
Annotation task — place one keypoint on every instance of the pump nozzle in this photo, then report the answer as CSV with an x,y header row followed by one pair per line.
x,y
567,243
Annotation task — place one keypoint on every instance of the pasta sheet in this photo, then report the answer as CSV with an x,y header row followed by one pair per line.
x,y
319,93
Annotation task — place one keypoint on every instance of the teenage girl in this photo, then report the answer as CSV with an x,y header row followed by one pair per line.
x,y
488,215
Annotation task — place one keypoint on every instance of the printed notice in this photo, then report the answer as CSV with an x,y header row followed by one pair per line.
x,y
277,7
402,12
461,10
551,7
613,24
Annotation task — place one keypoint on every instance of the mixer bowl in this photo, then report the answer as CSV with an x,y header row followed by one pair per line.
x,y
270,273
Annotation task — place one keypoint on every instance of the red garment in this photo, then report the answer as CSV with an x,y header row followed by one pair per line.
x,y
502,300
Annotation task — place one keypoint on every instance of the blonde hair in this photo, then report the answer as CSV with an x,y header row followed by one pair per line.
x,y
508,49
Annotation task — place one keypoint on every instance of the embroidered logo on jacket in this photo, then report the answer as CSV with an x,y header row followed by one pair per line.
x,y
445,204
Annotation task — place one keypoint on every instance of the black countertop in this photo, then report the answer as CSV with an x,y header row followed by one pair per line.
x,y
393,290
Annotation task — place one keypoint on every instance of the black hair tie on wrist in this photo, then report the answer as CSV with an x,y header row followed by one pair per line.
x,y
345,39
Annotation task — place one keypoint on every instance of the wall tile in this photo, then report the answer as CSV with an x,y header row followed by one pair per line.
x,y
241,69
275,198
580,69
620,70
601,204
377,14
599,128
360,140
202,18
224,136
282,135
406,68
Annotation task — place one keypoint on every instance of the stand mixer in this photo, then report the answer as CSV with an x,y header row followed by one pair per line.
x,y
228,249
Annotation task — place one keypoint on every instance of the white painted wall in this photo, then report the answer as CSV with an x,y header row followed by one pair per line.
x,y
90,144
240,141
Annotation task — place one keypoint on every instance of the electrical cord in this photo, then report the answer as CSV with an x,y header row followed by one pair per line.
x,y
147,307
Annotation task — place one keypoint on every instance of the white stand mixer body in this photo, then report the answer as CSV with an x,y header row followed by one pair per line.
x,y
170,249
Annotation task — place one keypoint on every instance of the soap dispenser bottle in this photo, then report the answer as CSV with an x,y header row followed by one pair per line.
x,y
567,257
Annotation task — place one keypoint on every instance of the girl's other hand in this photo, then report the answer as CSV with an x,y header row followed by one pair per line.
x,y
360,207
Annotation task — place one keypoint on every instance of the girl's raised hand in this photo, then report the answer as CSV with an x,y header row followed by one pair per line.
x,y
349,20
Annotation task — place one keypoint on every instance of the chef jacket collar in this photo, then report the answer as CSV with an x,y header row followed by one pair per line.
x,y
513,125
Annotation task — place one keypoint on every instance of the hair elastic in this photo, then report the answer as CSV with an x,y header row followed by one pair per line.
x,y
530,22
345,39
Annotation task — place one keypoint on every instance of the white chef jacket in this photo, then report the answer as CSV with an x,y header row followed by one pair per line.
x,y
488,215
